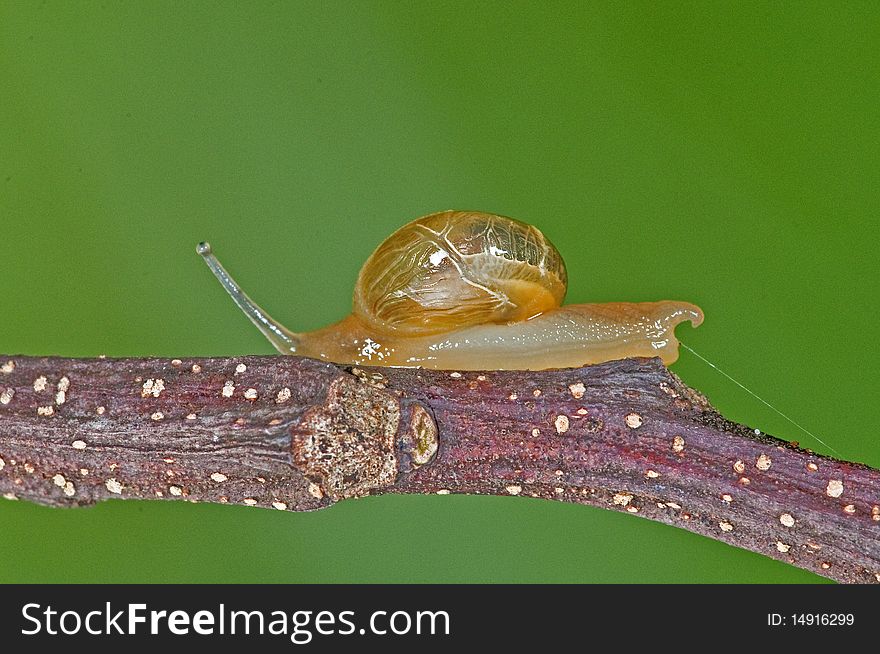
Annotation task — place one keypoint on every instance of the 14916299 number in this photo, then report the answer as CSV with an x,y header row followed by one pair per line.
x,y
811,620
823,619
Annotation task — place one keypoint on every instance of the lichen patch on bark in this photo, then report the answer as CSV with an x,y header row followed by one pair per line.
x,y
347,445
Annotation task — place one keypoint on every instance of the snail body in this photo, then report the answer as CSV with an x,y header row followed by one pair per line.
x,y
460,290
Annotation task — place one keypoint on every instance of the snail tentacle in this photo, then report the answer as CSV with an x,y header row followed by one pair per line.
x,y
279,336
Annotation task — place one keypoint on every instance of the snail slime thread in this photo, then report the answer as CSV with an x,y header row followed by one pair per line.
x,y
759,398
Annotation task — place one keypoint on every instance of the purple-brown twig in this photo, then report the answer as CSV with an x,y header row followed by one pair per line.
x,y
299,434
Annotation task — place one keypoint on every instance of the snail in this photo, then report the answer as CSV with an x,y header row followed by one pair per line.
x,y
465,290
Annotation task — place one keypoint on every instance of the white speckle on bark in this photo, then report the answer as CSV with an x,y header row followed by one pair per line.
x,y
29,468
283,396
176,362
101,410
64,384
281,506
69,489
47,410
7,395
622,499
787,520
10,496
316,492
240,368
158,415
153,387
455,375
59,480
228,389
443,491
84,472
849,509
113,485
678,443
7,367
812,467
633,420
40,384
763,462
536,392
250,501
177,491
60,398
577,390
561,424
513,489
191,416
725,526
834,488
512,396
250,394
782,547
652,474
2,463
219,477
727,497
669,391
739,467
196,368
78,445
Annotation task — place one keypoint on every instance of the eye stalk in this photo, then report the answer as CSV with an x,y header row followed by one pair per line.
x,y
284,340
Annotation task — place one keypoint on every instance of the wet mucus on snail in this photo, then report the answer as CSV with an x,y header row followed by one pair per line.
x,y
466,290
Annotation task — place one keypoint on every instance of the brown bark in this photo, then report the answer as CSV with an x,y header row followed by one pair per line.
x,y
298,434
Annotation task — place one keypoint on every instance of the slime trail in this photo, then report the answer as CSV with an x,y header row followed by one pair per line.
x,y
759,398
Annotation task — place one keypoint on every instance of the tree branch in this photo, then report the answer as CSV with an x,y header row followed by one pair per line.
x,y
299,434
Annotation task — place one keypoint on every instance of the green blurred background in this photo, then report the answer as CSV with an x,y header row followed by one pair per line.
x,y
722,153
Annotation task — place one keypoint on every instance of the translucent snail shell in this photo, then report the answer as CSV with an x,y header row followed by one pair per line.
x,y
473,291
453,270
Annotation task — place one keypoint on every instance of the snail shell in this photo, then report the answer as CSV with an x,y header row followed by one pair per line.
x,y
469,290
457,269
